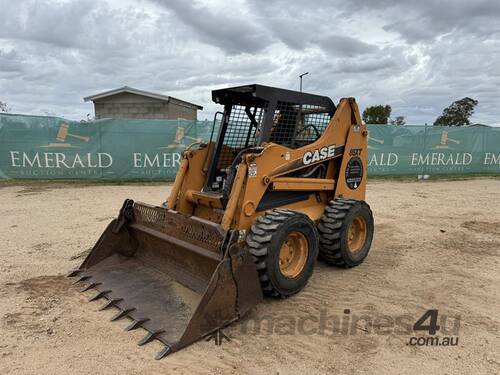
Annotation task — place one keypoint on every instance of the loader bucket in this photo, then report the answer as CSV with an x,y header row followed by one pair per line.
x,y
180,278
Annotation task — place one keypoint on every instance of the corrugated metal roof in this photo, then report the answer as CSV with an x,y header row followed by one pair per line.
x,y
132,90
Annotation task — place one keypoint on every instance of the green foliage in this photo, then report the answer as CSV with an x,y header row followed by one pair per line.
x,y
458,113
398,120
377,114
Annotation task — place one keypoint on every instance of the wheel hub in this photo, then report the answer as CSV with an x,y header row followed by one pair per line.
x,y
356,234
293,255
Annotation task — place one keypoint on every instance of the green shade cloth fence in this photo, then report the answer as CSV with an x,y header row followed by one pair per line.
x,y
39,147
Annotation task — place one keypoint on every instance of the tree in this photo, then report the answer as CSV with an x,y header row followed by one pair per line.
x,y
458,113
377,114
4,107
398,120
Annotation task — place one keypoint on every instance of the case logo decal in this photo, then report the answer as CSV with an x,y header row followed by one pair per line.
x,y
317,155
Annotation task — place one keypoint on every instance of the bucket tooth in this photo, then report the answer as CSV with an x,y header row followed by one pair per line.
x,y
136,323
99,295
120,314
89,286
149,337
81,278
186,277
164,352
73,273
110,303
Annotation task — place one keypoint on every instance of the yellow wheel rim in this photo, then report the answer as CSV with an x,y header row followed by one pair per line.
x,y
356,234
293,255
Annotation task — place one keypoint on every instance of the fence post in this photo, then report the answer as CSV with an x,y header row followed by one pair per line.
x,y
424,148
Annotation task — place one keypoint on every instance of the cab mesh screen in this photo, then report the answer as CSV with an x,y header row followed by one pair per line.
x,y
295,125
241,133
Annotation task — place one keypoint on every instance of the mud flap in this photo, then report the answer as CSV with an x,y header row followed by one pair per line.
x,y
180,278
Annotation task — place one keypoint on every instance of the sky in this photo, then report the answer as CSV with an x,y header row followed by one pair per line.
x,y
416,56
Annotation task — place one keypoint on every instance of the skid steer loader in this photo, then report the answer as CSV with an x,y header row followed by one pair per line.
x,y
249,212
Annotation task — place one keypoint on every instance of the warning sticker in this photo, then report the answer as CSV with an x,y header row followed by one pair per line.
x,y
354,172
252,170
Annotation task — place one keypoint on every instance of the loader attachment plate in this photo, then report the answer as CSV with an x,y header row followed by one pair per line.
x,y
177,277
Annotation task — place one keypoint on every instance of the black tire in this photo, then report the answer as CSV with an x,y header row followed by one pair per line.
x,y
264,241
333,232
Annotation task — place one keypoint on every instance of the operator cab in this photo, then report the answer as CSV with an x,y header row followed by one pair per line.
x,y
256,114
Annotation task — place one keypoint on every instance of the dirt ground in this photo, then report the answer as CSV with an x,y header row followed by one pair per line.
x,y
436,246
